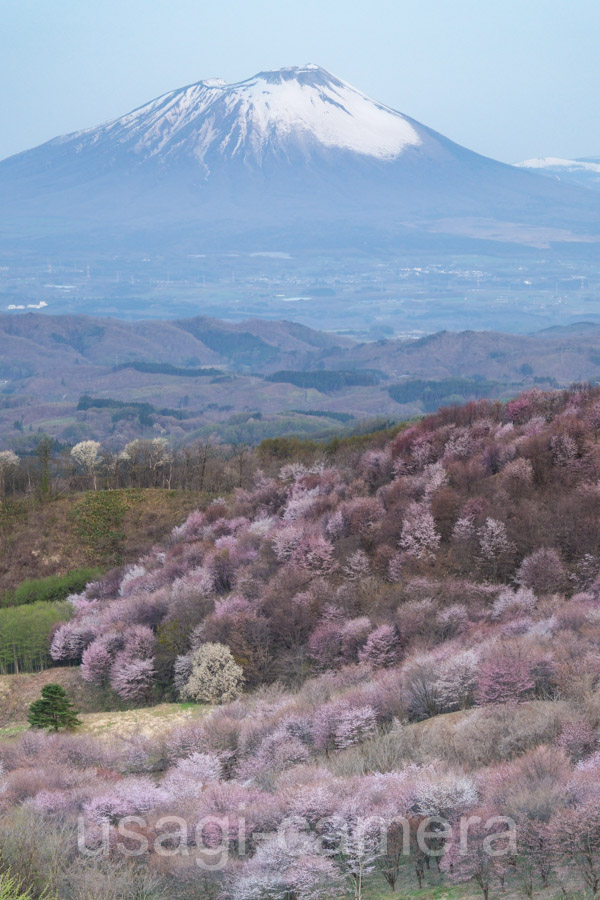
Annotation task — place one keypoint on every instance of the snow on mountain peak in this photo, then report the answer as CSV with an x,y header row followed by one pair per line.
x,y
555,162
290,110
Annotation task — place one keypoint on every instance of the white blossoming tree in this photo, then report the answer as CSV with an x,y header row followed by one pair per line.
x,y
88,455
8,461
216,677
419,536
496,550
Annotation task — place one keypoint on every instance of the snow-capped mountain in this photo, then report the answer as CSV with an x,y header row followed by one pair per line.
x,y
283,113
584,172
297,153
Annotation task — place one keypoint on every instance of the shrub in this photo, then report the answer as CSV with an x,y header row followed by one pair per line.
x,y
10,889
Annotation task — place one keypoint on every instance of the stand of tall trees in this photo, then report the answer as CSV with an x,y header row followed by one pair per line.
x,y
54,468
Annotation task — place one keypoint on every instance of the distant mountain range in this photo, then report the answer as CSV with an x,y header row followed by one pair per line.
x,y
255,379
36,344
40,342
295,158
584,172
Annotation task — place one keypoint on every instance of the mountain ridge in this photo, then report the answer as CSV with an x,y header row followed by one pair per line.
x,y
205,376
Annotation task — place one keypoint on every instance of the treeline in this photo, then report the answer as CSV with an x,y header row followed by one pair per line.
x,y
51,589
129,408
24,635
433,394
156,368
51,467
325,379
325,414
30,615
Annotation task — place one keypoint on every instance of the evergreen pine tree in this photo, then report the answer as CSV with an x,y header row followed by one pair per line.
x,y
53,710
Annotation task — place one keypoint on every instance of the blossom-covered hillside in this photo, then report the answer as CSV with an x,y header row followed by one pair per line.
x,y
412,633
467,531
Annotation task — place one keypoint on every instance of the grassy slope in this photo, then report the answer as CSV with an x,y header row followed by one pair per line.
x,y
18,691
66,533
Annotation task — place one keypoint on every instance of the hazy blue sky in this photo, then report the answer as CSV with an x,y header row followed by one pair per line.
x,y
508,78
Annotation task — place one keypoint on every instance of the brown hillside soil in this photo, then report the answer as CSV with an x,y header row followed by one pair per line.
x,y
18,691
104,529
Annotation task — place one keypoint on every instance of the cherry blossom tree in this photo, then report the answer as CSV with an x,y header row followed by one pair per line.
x,y
285,541
325,643
457,680
381,647
129,797
576,840
336,525
577,738
419,536
483,855
186,780
357,566
464,540
354,634
420,683
315,554
452,620
496,551
355,725
521,409
396,567
87,454
95,664
445,795
300,503
277,752
70,640
182,670
9,461
509,601
289,864
140,641
216,677
564,449
504,677
543,572
131,678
